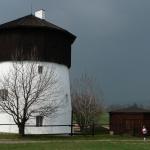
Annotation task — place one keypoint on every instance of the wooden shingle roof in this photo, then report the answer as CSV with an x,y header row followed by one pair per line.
x,y
31,21
133,109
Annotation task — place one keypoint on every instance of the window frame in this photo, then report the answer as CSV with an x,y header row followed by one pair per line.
x,y
40,69
3,94
39,121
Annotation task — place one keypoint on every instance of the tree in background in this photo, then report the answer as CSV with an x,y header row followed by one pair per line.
x,y
86,103
25,92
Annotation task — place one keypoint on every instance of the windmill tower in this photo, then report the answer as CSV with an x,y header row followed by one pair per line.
x,y
53,47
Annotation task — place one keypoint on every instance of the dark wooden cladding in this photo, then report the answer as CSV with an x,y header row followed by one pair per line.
x,y
129,122
50,46
52,43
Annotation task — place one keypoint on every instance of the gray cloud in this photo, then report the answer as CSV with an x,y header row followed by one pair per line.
x,y
113,40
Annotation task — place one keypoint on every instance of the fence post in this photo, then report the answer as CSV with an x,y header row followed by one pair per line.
x,y
93,129
71,123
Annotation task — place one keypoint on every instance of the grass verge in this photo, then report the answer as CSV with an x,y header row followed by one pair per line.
x,y
79,145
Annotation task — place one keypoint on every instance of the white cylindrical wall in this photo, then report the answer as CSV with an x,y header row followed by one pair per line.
x,y
63,118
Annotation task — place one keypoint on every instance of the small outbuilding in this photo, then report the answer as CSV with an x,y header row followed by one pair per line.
x,y
129,120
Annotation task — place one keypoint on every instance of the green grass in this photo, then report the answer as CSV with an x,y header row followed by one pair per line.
x,y
104,118
67,137
79,145
98,142
80,142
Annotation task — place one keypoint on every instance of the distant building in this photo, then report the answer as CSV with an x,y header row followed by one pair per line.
x,y
53,48
129,120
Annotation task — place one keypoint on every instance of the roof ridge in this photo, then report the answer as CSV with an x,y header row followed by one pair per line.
x,y
29,20
131,109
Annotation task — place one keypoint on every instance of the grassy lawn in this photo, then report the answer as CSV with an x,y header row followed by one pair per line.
x,y
104,118
15,137
98,142
79,145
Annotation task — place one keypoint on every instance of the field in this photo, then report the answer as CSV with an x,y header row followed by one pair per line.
x,y
79,145
100,141
104,118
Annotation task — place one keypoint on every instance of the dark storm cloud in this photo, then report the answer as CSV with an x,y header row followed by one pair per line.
x,y
113,41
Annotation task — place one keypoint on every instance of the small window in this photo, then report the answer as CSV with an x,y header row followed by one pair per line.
x,y
40,69
39,121
3,94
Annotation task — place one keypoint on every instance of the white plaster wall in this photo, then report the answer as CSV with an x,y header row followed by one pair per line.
x,y
63,116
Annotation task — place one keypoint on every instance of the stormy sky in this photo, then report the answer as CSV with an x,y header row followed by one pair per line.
x,y
112,45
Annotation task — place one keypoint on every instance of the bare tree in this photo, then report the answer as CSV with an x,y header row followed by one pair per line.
x,y
25,92
87,105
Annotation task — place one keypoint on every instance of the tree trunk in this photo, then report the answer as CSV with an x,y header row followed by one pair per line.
x,y
21,128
